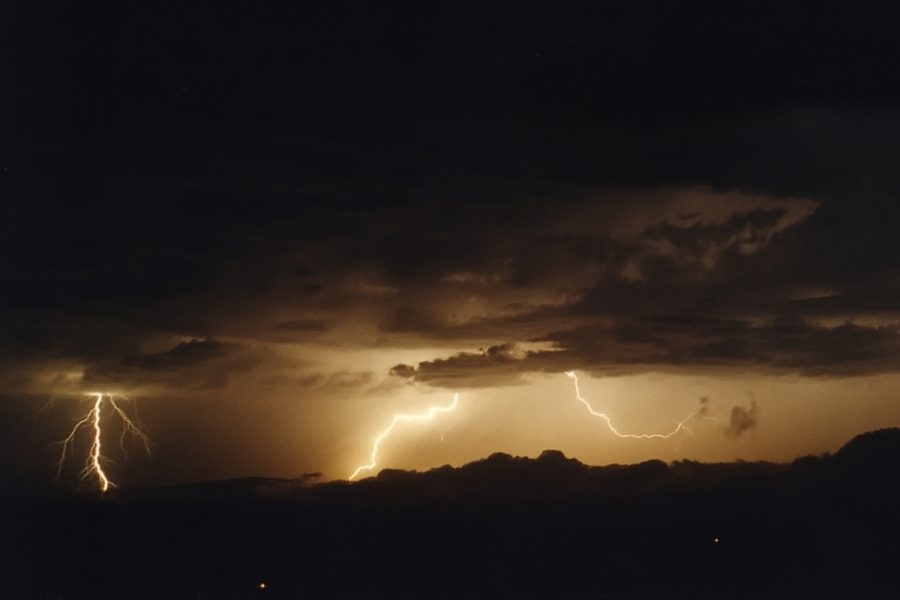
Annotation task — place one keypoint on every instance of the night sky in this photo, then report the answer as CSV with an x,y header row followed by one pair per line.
x,y
274,230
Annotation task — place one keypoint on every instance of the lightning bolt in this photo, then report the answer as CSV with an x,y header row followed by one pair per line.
x,y
401,418
94,420
636,436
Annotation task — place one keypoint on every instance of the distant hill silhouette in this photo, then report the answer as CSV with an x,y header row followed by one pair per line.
x,y
868,459
879,449
504,526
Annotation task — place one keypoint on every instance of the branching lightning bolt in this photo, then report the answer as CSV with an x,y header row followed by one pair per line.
x,y
638,436
94,419
401,418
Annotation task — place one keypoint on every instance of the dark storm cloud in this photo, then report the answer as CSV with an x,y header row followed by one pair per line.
x,y
194,364
185,354
787,345
622,280
742,420
570,181
742,232
314,325
497,365
412,318
625,280
701,289
403,370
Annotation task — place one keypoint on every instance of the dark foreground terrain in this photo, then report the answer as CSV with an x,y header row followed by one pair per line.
x,y
821,527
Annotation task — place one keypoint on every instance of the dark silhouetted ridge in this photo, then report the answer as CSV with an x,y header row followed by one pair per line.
x,y
501,527
880,447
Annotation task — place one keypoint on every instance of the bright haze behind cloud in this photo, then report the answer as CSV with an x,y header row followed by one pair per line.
x,y
277,231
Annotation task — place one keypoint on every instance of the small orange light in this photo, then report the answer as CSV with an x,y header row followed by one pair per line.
x,y
262,585
715,540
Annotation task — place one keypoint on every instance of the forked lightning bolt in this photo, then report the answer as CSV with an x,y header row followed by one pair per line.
x,y
401,418
94,419
638,436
